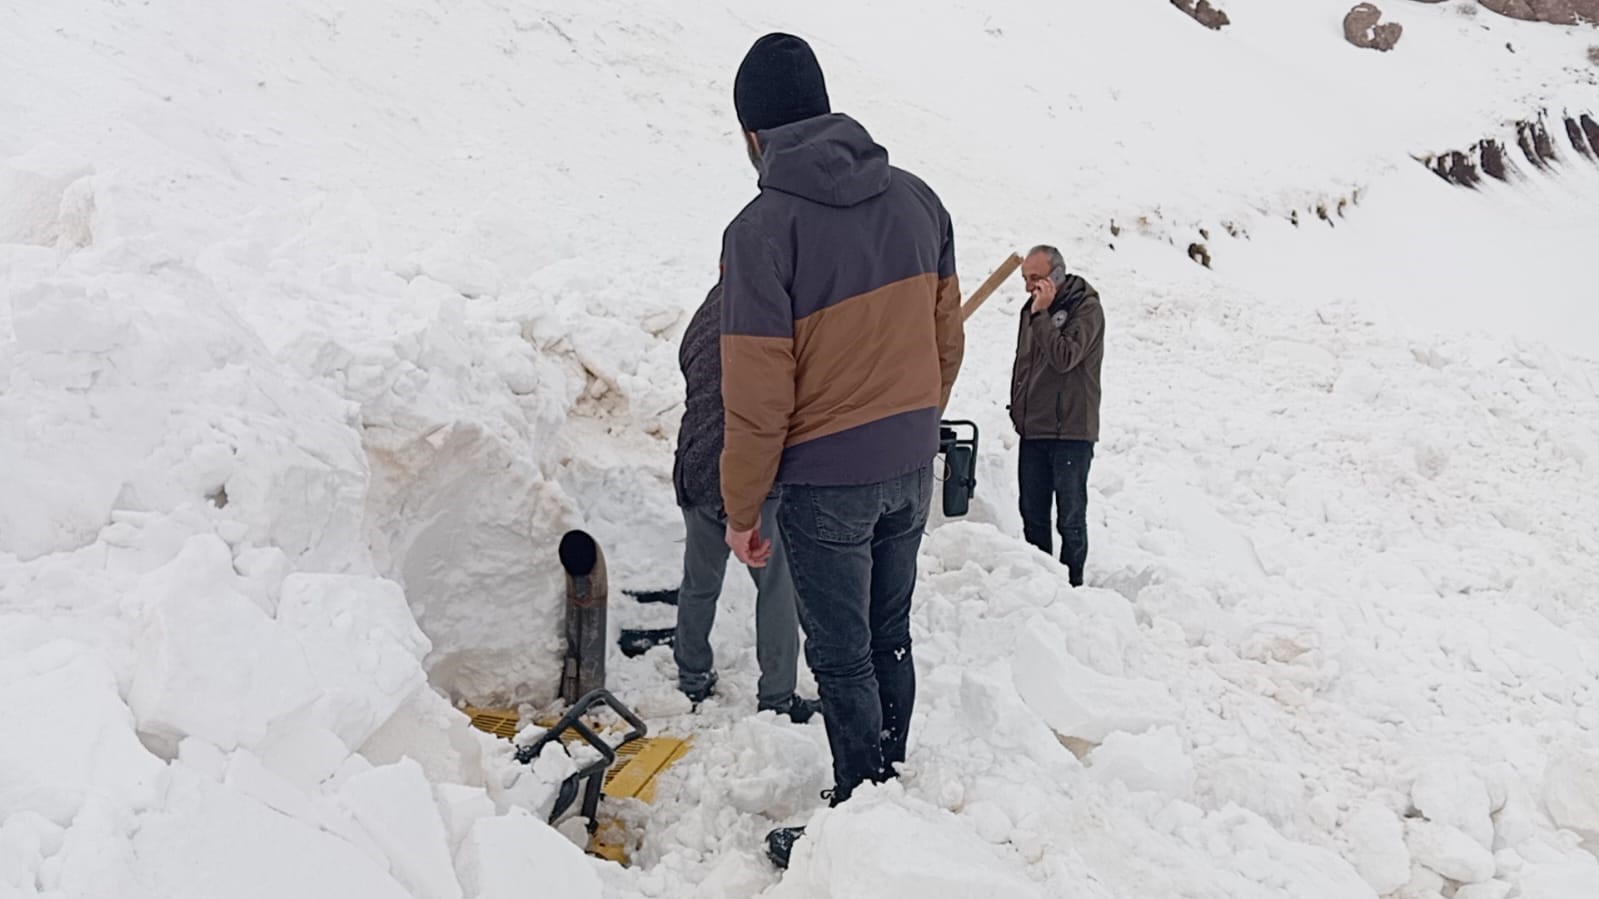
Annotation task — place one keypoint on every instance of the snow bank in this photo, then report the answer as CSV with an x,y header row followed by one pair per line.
x,y
317,330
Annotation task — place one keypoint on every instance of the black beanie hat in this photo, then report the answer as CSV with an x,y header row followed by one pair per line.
x,y
779,83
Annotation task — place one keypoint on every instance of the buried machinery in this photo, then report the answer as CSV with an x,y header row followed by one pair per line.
x,y
623,760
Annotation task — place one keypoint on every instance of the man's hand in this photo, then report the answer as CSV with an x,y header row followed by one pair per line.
x,y
1043,291
749,547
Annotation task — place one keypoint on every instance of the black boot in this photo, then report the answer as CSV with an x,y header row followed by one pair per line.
x,y
780,844
697,687
798,709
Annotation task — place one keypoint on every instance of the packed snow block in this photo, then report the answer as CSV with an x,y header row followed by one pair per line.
x,y
210,663
305,755
361,644
39,204
212,841
1571,794
1493,889
504,857
26,840
1374,840
395,804
1077,701
462,518
249,777
883,845
1449,851
460,807
1450,792
68,735
1273,790
1567,880
438,736
1223,546
1155,761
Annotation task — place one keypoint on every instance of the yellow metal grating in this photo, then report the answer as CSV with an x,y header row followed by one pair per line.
x,y
638,762
499,722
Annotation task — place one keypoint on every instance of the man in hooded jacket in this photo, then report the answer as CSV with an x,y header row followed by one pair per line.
x,y
841,339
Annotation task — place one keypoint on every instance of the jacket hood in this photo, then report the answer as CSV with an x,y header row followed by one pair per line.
x,y
828,159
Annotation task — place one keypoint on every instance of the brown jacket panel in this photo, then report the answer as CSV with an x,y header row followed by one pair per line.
x,y
758,394
870,357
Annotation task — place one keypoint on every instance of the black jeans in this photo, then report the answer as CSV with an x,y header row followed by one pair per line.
x,y
852,555
1056,472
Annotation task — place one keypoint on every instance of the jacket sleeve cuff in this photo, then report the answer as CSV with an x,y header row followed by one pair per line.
x,y
746,521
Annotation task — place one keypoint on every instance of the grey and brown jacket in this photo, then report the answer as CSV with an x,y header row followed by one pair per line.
x,y
841,329
1054,387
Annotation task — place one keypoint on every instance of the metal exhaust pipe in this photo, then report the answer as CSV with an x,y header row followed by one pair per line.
x,y
583,669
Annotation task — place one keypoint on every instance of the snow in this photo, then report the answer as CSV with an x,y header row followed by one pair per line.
x,y
396,806
915,851
505,856
1375,839
1571,794
1449,851
320,324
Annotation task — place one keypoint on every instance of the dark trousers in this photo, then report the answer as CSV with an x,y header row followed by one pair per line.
x,y
852,556
1055,472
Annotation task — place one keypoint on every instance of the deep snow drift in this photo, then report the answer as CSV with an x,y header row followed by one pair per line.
x,y
319,323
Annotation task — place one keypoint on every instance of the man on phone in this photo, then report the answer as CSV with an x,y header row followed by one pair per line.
x,y
1054,403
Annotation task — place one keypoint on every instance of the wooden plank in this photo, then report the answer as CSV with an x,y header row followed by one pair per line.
x,y
1005,270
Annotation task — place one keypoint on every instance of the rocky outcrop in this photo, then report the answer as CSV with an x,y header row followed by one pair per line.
x,y
1534,141
1363,27
1579,140
1488,158
1205,14
1558,12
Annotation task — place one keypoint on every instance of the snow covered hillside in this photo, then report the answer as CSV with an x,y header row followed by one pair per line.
x,y
321,321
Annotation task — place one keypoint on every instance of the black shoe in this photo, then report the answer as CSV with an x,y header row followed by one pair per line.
x,y
697,687
798,709
1075,576
780,844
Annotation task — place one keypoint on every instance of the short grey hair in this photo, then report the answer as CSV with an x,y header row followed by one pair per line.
x,y
1057,262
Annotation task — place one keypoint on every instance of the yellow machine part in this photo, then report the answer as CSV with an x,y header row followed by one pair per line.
x,y
638,764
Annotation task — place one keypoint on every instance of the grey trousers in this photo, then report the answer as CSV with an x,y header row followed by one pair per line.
x,y
705,555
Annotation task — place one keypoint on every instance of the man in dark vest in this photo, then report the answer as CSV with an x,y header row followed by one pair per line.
x,y
1054,403
696,474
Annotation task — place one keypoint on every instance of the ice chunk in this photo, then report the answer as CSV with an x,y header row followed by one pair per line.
x,y
1376,847
395,805
362,645
1449,792
461,806
1449,851
1077,701
212,842
1155,761
211,663
505,857
1571,793
67,734
915,850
